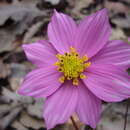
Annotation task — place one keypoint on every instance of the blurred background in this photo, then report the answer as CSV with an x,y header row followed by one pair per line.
x,y
25,21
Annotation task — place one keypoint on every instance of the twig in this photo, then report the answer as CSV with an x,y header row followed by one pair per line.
x,y
126,114
5,122
74,123
31,31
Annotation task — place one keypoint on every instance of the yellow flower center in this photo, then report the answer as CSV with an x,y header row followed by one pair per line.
x,y
72,66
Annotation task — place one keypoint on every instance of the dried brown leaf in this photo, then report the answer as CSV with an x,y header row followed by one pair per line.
x,y
116,6
4,69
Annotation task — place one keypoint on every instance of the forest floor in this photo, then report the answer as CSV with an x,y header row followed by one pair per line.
x,y
25,21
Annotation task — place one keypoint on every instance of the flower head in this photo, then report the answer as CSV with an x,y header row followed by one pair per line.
x,y
72,66
77,68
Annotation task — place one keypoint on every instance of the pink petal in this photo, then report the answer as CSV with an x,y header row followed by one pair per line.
x,y
60,105
61,31
40,53
108,82
88,107
93,33
114,52
128,39
41,82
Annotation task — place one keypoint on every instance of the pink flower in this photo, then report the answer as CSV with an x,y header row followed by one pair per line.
x,y
77,68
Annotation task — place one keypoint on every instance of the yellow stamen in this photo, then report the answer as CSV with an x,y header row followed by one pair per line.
x,y
82,76
72,50
56,64
62,79
60,69
69,78
72,66
75,82
85,58
59,56
86,65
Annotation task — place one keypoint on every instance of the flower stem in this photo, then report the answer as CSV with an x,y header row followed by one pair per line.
x,y
126,114
74,123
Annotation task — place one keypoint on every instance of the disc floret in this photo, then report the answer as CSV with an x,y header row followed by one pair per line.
x,y
72,66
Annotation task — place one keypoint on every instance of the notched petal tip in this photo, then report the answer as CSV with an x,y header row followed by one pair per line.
x,y
104,10
55,11
103,13
25,47
20,91
55,14
24,92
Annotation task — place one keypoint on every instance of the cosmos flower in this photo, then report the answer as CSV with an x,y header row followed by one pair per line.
x,y
77,69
